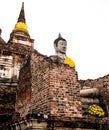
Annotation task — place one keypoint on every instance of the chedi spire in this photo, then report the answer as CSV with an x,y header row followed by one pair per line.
x,y
22,14
21,23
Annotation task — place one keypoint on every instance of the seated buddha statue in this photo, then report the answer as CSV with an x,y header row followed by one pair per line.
x,y
60,45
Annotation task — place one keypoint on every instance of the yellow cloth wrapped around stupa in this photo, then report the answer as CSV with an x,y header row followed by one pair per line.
x,y
21,26
69,62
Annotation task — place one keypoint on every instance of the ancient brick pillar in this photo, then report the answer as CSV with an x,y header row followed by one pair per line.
x,y
55,89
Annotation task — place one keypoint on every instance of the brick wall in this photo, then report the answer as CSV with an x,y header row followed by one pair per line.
x,y
64,90
12,55
48,88
23,100
40,83
55,88
7,99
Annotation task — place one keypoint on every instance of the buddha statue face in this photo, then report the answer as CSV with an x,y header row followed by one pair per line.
x,y
61,46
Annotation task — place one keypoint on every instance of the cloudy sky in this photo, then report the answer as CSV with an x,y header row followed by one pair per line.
x,y
83,23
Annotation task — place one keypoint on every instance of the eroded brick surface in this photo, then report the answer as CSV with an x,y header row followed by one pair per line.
x,y
53,89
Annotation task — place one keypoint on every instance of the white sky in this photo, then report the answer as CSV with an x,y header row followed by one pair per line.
x,y
83,23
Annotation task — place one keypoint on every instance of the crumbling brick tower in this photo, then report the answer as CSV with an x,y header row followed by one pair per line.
x,y
12,54
53,89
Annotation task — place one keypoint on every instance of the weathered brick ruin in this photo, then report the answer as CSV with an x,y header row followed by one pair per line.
x,y
39,94
57,85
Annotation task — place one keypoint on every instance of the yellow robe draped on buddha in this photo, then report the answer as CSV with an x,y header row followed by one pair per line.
x,y
69,62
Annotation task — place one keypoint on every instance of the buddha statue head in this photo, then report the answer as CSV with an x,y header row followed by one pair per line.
x,y
60,45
